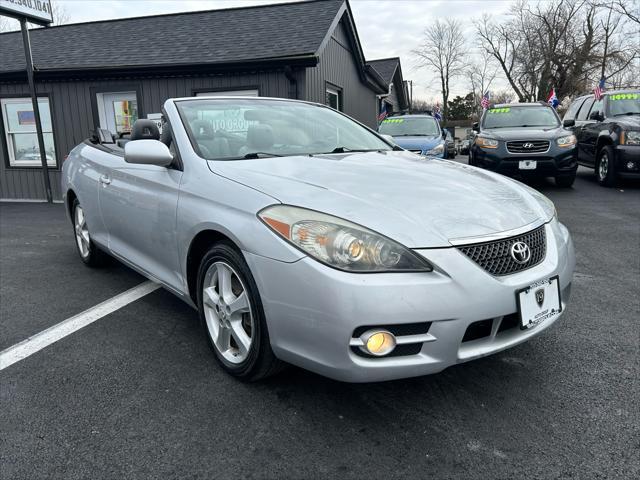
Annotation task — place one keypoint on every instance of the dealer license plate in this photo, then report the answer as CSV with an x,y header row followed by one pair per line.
x,y
539,302
528,164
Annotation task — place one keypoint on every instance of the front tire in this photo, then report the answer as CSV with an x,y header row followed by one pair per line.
x,y
89,253
606,167
566,181
232,315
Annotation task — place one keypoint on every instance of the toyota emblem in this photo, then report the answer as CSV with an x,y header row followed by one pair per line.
x,y
520,252
528,145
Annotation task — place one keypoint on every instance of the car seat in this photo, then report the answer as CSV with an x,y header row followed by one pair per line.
x,y
210,145
259,139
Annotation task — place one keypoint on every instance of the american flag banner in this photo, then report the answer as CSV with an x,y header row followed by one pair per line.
x,y
553,98
599,90
383,112
484,103
436,112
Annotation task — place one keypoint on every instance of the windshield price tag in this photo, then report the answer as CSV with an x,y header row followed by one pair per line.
x,y
625,96
499,110
394,120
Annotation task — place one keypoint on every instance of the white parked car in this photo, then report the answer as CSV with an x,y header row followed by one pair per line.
x,y
302,236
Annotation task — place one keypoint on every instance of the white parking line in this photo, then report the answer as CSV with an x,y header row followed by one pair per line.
x,y
37,342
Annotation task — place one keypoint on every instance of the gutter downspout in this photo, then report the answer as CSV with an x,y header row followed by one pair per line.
x,y
293,83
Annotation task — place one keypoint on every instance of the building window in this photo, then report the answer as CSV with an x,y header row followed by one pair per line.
x,y
236,93
334,98
117,111
20,131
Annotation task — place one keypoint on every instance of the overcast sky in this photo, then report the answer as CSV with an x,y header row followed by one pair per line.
x,y
387,28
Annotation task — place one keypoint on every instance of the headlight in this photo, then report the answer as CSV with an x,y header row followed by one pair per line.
x,y
486,142
340,243
567,141
437,150
631,138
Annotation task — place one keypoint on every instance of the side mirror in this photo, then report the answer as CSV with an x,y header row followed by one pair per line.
x,y
444,133
476,127
597,116
147,152
569,123
388,138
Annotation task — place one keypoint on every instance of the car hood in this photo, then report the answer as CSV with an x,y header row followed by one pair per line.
x,y
417,143
632,121
414,200
525,133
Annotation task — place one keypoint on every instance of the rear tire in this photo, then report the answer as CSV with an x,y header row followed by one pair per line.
x,y
89,253
232,315
606,167
566,181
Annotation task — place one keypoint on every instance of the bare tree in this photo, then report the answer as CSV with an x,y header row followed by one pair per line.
x,y
442,51
481,73
566,44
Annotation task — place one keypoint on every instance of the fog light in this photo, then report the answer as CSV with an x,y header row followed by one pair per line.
x,y
378,342
631,166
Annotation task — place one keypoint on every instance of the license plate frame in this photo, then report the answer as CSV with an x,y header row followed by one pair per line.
x,y
549,285
528,164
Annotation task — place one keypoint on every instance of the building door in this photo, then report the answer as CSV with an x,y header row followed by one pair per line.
x,y
117,111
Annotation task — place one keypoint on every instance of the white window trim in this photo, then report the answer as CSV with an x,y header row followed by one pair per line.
x,y
5,121
336,92
245,92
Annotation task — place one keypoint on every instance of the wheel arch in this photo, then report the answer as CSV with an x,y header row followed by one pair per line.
x,y
603,140
198,247
70,198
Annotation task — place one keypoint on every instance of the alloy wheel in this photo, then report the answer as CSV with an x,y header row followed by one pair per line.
x,y
227,311
603,166
82,231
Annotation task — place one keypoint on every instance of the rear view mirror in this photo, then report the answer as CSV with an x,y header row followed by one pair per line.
x,y
147,152
569,122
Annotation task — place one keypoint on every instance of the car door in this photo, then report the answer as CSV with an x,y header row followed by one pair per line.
x,y
582,121
139,204
590,131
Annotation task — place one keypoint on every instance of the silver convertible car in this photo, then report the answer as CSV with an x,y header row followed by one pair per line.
x,y
304,237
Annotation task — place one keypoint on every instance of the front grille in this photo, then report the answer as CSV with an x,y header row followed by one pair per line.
x,y
495,257
528,146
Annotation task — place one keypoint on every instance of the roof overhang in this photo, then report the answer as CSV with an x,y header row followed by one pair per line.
x,y
81,72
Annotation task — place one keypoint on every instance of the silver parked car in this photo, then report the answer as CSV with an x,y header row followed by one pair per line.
x,y
302,236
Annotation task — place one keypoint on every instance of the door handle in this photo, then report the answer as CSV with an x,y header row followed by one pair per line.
x,y
104,180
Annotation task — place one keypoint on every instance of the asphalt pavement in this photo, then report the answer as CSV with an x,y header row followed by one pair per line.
x,y
138,394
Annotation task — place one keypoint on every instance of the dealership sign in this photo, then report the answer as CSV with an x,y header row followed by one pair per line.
x,y
35,11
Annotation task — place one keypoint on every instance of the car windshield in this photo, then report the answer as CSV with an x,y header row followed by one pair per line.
x,y
513,116
409,127
237,128
624,104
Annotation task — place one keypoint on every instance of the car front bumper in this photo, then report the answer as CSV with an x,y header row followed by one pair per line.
x,y
628,161
313,310
556,161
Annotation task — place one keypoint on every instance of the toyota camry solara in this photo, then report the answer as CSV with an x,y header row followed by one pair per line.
x,y
303,237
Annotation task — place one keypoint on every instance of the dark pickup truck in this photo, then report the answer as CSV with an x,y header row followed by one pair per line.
x,y
608,133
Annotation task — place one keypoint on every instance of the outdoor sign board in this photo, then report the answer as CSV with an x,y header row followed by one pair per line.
x,y
35,11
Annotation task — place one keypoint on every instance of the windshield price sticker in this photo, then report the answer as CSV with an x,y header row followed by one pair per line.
x,y
393,120
499,110
625,96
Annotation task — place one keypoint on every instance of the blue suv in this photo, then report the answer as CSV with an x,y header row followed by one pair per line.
x,y
419,133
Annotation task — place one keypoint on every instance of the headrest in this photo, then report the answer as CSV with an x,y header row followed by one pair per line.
x,y
145,130
259,137
202,129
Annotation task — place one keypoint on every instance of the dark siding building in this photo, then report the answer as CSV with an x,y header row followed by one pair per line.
x,y
396,97
86,79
